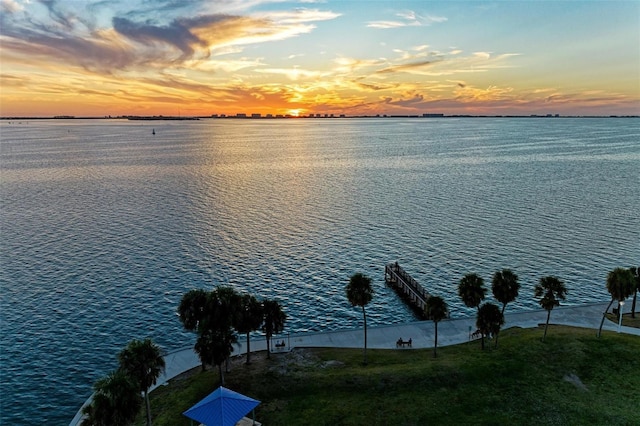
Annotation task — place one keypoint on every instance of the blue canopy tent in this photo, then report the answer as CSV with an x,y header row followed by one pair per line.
x,y
222,407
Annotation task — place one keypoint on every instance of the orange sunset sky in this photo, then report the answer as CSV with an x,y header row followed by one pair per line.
x,y
168,57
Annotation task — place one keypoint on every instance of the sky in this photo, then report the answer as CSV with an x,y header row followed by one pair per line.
x,y
203,57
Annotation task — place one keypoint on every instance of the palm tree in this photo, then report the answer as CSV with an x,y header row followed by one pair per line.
x,y
620,285
550,290
212,315
274,319
223,308
436,310
471,290
636,274
214,347
249,318
359,292
142,361
192,308
504,287
489,320
116,401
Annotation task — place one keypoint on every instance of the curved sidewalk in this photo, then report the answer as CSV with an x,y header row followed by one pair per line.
x,y
450,332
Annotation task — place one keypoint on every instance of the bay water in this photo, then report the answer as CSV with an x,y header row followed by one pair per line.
x,y
104,226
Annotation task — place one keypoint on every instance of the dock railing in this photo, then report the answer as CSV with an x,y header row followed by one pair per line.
x,y
407,286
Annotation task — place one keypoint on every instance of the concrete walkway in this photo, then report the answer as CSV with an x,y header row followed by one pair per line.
x,y
450,332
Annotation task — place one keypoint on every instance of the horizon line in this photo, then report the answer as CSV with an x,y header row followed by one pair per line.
x,y
241,116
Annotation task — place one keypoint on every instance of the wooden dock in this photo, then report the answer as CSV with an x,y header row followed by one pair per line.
x,y
408,288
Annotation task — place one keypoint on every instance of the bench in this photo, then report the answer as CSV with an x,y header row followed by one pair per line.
x,y
403,343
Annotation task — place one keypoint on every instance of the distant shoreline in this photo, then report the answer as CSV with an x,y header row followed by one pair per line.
x,y
290,117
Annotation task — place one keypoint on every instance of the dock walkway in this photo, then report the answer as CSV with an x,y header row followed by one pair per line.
x,y
409,289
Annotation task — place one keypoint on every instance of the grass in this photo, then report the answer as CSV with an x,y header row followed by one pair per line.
x,y
572,378
627,320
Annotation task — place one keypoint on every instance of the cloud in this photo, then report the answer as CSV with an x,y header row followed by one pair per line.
x,y
229,65
176,34
407,19
99,53
201,35
134,41
482,55
298,16
416,99
63,18
8,80
352,65
368,87
292,73
420,48
492,93
404,67
386,24
10,6
438,64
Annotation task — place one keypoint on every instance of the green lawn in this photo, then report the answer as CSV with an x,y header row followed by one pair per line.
x,y
627,320
573,378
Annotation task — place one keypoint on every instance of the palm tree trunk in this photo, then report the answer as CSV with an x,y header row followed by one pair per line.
x,y
268,347
148,406
546,325
482,334
633,304
364,314
604,315
435,345
504,305
248,349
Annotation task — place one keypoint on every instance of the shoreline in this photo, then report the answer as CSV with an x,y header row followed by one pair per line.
x,y
242,116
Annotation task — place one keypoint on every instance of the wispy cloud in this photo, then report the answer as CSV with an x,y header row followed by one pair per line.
x,y
10,6
227,65
352,65
8,80
404,67
439,64
407,19
292,73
